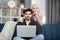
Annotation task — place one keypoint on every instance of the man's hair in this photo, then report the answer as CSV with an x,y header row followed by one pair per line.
x,y
27,10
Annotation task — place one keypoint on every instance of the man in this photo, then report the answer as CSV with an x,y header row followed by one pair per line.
x,y
28,21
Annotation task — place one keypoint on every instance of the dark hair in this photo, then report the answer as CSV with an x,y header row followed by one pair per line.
x,y
15,19
27,10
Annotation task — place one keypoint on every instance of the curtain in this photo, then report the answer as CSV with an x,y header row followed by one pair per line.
x,y
52,7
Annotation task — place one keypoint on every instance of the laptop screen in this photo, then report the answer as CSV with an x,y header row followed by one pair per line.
x,y
26,31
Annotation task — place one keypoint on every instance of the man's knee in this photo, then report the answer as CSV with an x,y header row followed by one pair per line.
x,y
41,36
17,38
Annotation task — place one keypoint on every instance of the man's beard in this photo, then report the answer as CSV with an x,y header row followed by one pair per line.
x,y
27,18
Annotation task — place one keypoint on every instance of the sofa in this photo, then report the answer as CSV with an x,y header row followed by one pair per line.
x,y
50,31
1,26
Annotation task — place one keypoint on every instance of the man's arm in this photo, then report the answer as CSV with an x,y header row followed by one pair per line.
x,y
38,30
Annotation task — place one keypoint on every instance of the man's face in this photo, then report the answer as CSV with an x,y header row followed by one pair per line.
x,y
28,15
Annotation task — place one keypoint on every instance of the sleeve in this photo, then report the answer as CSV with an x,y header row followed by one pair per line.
x,y
38,30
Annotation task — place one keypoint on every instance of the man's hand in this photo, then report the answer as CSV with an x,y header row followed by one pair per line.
x,y
21,20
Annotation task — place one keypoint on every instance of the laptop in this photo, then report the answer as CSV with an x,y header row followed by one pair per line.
x,y
26,31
